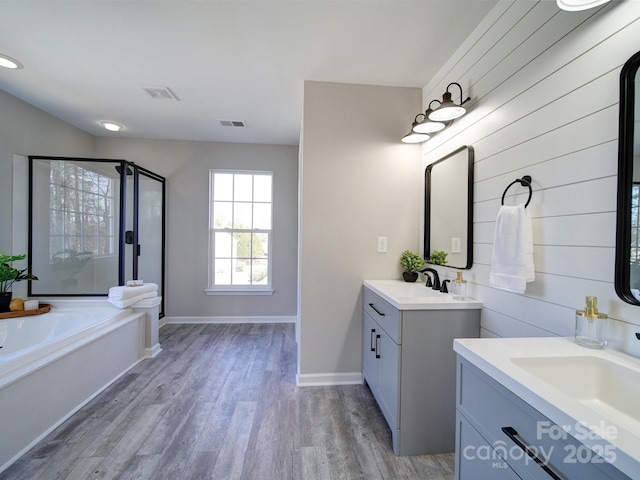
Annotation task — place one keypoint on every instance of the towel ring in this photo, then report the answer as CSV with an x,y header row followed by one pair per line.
x,y
525,181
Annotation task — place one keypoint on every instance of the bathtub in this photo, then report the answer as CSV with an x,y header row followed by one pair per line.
x,y
53,364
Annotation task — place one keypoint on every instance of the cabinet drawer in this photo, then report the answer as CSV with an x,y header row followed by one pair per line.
x,y
504,419
475,459
385,314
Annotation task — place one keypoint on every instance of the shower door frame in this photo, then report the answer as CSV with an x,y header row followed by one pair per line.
x,y
137,171
125,167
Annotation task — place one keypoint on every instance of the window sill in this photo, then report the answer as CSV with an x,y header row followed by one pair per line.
x,y
238,291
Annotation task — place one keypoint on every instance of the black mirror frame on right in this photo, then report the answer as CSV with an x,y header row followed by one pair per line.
x,y
625,226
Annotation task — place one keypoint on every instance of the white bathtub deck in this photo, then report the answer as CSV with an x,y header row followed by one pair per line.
x,y
39,395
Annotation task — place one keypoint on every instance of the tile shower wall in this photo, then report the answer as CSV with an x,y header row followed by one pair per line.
x,y
544,90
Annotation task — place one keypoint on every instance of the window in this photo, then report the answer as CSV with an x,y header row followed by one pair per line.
x,y
82,221
240,212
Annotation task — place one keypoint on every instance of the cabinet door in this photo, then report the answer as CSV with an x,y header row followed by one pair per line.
x,y
476,459
369,366
388,376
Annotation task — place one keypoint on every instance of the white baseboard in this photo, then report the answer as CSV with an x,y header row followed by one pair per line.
x,y
278,319
153,351
322,379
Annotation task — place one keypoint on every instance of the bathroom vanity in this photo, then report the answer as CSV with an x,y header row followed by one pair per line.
x,y
408,361
545,408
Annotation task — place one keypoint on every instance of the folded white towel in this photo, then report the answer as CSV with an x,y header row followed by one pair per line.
x,y
512,263
123,292
127,302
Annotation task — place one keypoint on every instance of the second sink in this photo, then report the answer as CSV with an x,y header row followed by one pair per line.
x,y
610,389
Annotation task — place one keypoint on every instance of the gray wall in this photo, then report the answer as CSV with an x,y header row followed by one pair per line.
x,y
25,130
358,182
544,89
186,167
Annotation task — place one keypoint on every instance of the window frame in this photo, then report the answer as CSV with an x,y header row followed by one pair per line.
x,y
230,289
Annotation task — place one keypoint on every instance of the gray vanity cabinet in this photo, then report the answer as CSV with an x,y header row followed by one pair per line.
x,y
495,428
409,364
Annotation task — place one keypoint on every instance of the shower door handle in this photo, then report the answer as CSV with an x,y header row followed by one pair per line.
x,y
128,237
138,248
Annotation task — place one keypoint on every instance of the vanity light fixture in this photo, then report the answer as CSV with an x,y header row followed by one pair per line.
x,y
413,136
11,63
111,126
577,5
448,109
435,120
427,125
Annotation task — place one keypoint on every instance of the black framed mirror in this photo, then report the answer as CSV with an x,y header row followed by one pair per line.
x,y
448,212
627,274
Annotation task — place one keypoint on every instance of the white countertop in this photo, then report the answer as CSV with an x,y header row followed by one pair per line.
x,y
416,296
495,357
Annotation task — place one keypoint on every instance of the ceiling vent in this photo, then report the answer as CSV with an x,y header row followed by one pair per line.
x,y
160,93
233,123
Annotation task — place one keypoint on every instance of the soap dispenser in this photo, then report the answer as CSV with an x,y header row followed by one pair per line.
x,y
591,326
459,287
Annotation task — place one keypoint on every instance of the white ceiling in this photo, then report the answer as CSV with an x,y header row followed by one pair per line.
x,y
86,60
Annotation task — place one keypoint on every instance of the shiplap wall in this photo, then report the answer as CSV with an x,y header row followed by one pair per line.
x,y
544,102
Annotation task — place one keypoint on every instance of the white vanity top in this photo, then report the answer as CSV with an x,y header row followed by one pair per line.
x,y
416,296
573,386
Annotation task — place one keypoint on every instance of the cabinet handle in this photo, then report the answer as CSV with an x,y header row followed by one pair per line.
x,y
513,435
373,347
377,311
377,338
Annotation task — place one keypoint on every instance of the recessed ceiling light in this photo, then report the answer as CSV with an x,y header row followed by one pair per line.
x,y
576,5
8,62
112,126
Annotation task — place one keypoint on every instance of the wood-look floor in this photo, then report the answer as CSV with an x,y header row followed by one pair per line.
x,y
220,402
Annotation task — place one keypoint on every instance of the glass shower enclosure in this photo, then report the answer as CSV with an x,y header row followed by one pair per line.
x,y
93,224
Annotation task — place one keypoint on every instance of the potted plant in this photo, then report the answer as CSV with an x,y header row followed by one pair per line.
x,y
8,276
410,262
69,262
438,257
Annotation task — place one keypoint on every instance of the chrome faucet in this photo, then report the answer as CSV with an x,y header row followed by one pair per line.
x,y
436,277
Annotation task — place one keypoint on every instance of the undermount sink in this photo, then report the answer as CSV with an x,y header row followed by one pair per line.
x,y
610,389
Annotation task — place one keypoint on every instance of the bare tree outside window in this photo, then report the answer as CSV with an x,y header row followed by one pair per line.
x,y
81,217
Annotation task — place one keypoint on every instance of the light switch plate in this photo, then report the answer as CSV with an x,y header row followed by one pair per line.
x,y
382,244
456,245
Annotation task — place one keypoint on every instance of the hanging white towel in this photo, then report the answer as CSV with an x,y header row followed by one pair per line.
x,y
123,292
512,263
127,302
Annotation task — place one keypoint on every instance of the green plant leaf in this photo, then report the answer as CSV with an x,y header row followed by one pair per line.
x,y
9,274
410,261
